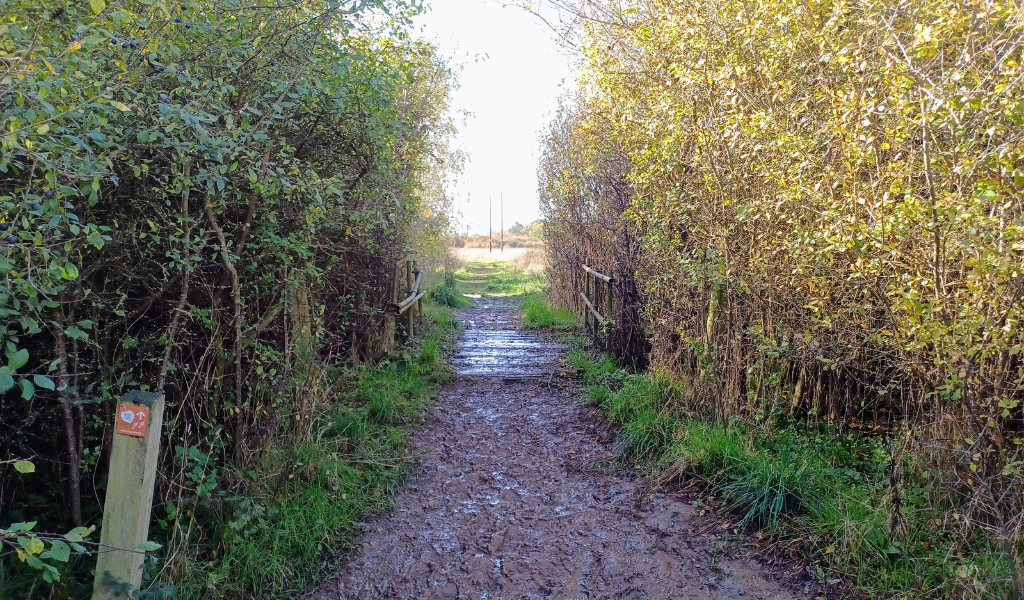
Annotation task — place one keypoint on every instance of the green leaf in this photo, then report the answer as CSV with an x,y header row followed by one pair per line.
x,y
76,333
24,466
43,382
78,533
97,6
6,382
32,545
148,546
50,574
69,271
17,360
27,389
58,551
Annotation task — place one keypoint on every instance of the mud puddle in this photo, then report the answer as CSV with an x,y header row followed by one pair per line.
x,y
511,500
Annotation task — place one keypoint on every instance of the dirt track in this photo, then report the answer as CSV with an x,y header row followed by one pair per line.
x,y
513,499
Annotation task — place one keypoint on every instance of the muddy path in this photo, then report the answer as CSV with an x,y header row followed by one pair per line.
x,y
514,498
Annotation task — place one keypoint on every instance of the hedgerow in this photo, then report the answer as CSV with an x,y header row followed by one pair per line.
x,y
205,198
824,219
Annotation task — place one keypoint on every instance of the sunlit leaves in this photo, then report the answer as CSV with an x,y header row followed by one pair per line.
x,y
310,133
851,173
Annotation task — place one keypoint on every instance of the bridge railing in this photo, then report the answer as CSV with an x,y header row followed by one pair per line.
x,y
413,303
593,321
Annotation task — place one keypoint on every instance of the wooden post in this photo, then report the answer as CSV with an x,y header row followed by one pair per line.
x,y
387,337
419,303
133,461
611,321
411,311
586,292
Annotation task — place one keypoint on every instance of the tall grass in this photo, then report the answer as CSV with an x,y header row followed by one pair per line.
x,y
539,314
830,489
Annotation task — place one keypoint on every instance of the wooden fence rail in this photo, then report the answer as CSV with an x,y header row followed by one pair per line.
x,y
413,278
593,320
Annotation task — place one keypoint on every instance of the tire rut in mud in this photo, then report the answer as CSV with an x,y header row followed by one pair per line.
x,y
513,499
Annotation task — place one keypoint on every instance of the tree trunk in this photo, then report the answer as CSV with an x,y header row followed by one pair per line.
x,y
241,412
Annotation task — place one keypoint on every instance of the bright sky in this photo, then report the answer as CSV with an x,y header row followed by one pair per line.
x,y
512,74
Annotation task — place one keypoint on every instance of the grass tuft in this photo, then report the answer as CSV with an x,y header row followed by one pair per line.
x,y
446,294
773,484
539,314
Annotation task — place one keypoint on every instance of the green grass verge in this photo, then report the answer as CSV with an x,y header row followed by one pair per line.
x,y
293,513
447,294
539,314
826,489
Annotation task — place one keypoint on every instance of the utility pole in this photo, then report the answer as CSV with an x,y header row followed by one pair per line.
x,y
490,222
501,222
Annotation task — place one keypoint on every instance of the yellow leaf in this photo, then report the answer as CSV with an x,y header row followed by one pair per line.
x,y
49,66
43,129
119,106
97,6
35,546
75,46
21,555
830,550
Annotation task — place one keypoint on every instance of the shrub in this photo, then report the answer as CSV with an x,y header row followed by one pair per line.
x,y
190,203
820,220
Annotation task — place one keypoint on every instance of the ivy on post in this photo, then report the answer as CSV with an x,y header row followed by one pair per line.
x,y
129,500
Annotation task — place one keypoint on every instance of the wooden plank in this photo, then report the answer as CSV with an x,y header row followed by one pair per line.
x,y
411,324
593,310
601,276
129,501
586,294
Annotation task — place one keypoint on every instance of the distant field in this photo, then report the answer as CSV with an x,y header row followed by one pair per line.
x,y
478,253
